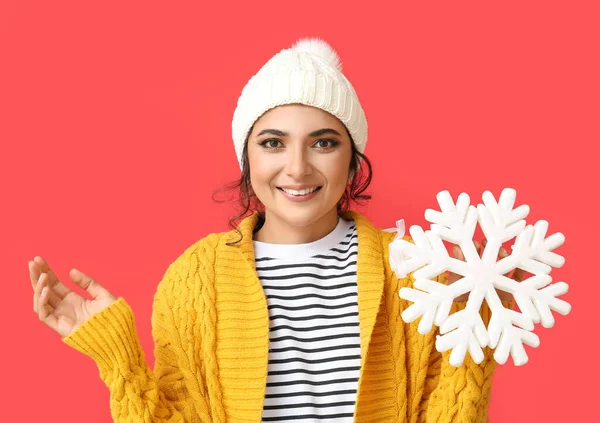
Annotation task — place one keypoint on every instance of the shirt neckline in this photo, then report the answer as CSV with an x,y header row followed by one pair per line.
x,y
302,251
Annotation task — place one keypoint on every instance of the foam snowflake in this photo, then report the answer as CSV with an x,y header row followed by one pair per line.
x,y
465,330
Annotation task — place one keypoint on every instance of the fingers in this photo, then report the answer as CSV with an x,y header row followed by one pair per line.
x,y
503,253
44,268
477,247
34,276
42,286
88,283
34,273
518,275
38,266
42,299
37,290
41,291
457,252
53,299
45,311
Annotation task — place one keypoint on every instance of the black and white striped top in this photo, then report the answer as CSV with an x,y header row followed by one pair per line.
x,y
314,349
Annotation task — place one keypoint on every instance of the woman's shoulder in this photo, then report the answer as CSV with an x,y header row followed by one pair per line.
x,y
199,255
205,247
225,242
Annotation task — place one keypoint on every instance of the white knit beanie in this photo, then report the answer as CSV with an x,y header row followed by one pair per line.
x,y
310,73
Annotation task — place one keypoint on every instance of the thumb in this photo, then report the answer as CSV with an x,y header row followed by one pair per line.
x,y
88,283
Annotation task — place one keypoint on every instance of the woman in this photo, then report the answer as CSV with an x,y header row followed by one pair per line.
x,y
292,315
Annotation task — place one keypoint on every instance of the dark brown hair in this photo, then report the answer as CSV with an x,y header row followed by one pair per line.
x,y
248,202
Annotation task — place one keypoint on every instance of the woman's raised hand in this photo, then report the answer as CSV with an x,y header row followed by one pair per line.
x,y
58,306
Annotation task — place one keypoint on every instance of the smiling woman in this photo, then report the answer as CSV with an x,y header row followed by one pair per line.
x,y
298,160
294,313
325,159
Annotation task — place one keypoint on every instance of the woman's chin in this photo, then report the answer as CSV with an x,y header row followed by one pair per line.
x,y
300,216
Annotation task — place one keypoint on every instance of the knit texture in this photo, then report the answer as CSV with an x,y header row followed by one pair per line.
x,y
309,73
210,325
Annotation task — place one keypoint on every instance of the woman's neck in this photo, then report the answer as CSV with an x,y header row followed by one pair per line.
x,y
278,230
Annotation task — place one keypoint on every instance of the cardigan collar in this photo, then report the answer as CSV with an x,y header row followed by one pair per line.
x,y
370,269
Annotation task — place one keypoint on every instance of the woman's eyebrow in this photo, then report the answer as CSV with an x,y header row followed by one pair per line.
x,y
275,132
316,133
324,131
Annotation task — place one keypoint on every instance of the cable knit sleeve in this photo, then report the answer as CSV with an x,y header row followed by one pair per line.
x,y
436,390
138,393
458,393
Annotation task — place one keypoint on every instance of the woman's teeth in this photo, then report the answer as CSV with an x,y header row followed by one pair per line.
x,y
301,192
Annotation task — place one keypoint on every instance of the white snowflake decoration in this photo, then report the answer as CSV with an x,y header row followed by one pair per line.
x,y
464,330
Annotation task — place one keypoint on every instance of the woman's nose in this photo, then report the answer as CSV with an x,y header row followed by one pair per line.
x,y
298,164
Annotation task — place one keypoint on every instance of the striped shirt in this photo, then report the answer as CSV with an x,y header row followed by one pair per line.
x,y
314,337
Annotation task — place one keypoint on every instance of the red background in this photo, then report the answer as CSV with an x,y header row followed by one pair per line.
x,y
115,128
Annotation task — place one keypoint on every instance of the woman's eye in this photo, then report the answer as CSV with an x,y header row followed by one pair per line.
x,y
273,143
270,143
331,142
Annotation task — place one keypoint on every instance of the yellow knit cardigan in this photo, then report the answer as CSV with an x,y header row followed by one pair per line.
x,y
210,326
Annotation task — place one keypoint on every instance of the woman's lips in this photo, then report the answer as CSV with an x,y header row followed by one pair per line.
x,y
305,197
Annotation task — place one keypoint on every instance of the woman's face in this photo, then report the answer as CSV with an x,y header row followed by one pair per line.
x,y
298,147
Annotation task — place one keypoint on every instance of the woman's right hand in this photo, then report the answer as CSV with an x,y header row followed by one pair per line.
x,y
58,306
